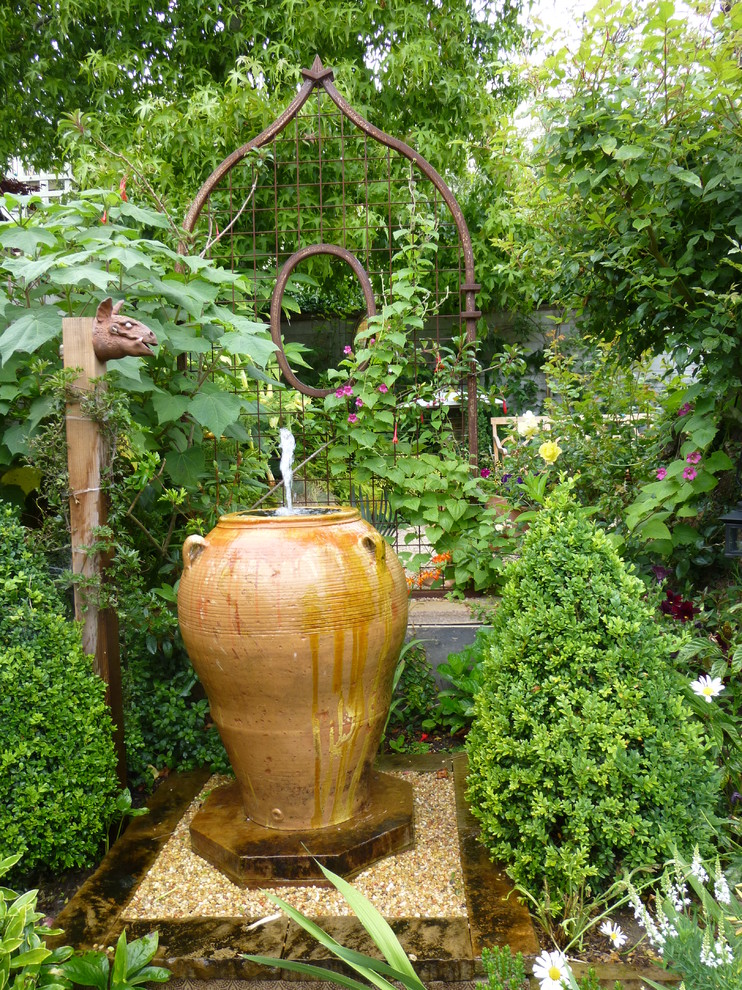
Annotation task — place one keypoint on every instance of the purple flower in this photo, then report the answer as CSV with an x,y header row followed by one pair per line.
x,y
372,342
485,472
352,418
660,572
347,389
689,473
685,409
347,349
694,457
661,474
383,388
359,402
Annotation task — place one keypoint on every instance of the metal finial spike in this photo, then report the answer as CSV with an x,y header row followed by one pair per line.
x,y
318,73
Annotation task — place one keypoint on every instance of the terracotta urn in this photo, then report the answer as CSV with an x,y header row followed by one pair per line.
x,y
294,624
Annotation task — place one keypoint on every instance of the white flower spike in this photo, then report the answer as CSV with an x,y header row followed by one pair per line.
x,y
551,969
697,868
614,933
707,687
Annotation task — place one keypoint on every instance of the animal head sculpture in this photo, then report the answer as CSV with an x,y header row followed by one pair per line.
x,y
116,336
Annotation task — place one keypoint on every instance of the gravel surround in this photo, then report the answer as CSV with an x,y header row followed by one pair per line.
x,y
424,882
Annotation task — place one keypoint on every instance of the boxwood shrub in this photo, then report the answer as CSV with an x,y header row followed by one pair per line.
x,y
584,757
57,761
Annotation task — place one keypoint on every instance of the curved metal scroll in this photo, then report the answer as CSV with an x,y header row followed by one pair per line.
x,y
307,252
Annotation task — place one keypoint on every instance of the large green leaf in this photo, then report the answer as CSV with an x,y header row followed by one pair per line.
x,y
169,408
79,274
184,467
215,410
147,217
26,239
259,347
34,957
182,340
654,529
627,151
309,970
377,927
89,970
193,297
127,257
29,270
30,331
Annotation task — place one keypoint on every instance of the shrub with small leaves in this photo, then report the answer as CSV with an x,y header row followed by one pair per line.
x,y
584,756
57,761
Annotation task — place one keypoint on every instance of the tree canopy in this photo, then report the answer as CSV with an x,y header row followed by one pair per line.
x,y
416,68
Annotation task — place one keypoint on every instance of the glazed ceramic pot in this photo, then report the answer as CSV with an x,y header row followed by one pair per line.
x,y
294,624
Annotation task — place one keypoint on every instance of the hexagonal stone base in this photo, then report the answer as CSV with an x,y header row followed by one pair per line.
x,y
252,855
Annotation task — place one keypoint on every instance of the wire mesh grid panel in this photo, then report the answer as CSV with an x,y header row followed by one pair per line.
x,y
329,219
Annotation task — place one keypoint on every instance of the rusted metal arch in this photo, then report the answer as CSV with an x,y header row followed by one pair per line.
x,y
320,76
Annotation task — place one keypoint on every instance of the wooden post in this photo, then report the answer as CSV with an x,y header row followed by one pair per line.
x,y
86,456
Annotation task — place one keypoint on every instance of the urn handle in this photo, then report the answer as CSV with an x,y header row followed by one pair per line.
x,y
375,544
192,547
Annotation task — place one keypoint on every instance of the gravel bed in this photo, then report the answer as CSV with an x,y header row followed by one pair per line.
x,y
424,882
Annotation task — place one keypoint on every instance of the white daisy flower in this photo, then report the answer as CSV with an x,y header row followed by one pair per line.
x,y
707,687
551,969
614,933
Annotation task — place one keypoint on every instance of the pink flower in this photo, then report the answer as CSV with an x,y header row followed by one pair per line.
x,y
661,474
359,402
485,472
694,457
372,342
383,388
347,389
347,349
352,418
689,473
340,392
685,409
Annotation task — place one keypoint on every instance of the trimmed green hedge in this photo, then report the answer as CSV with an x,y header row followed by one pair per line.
x,y
584,757
57,760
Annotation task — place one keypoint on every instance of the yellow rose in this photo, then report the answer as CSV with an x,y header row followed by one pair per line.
x,y
549,451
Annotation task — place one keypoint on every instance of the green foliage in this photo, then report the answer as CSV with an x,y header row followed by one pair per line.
x,y
168,724
463,671
175,90
644,136
57,762
172,436
504,971
603,409
388,420
583,754
697,936
676,514
414,699
131,966
25,961
715,649
27,964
